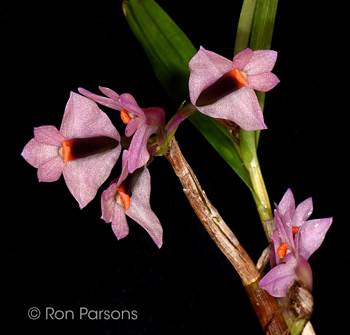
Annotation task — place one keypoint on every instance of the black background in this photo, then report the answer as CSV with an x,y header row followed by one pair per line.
x,y
61,257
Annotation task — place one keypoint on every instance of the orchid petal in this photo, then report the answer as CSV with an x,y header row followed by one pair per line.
x,y
108,102
83,118
140,209
287,203
120,226
304,272
275,243
241,59
112,212
138,147
51,170
241,107
109,193
109,93
49,135
284,231
132,126
206,67
129,103
302,212
277,280
36,153
261,61
84,176
108,203
263,82
313,233
125,170
298,242
108,196
156,116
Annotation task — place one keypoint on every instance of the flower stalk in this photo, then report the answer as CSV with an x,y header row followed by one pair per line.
x,y
250,159
264,207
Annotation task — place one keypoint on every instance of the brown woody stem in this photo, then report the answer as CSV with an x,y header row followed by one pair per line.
x,y
265,306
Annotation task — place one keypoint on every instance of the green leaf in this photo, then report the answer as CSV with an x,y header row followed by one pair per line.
x,y
244,25
167,47
169,51
263,24
261,36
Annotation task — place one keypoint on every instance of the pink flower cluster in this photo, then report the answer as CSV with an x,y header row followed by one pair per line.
x,y
294,240
87,146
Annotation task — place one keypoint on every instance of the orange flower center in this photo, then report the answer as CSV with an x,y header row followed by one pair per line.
x,y
282,249
122,198
124,115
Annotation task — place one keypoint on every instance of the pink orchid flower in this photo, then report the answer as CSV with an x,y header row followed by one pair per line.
x,y
294,240
224,89
85,149
129,195
141,122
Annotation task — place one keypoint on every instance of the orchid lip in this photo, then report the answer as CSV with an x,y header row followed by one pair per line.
x,y
230,82
126,116
122,197
83,147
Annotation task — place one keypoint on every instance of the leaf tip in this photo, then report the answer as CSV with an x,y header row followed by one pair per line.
x,y
125,4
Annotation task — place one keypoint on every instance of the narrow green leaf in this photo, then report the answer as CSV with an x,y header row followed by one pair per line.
x,y
169,51
167,47
244,25
261,36
263,24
